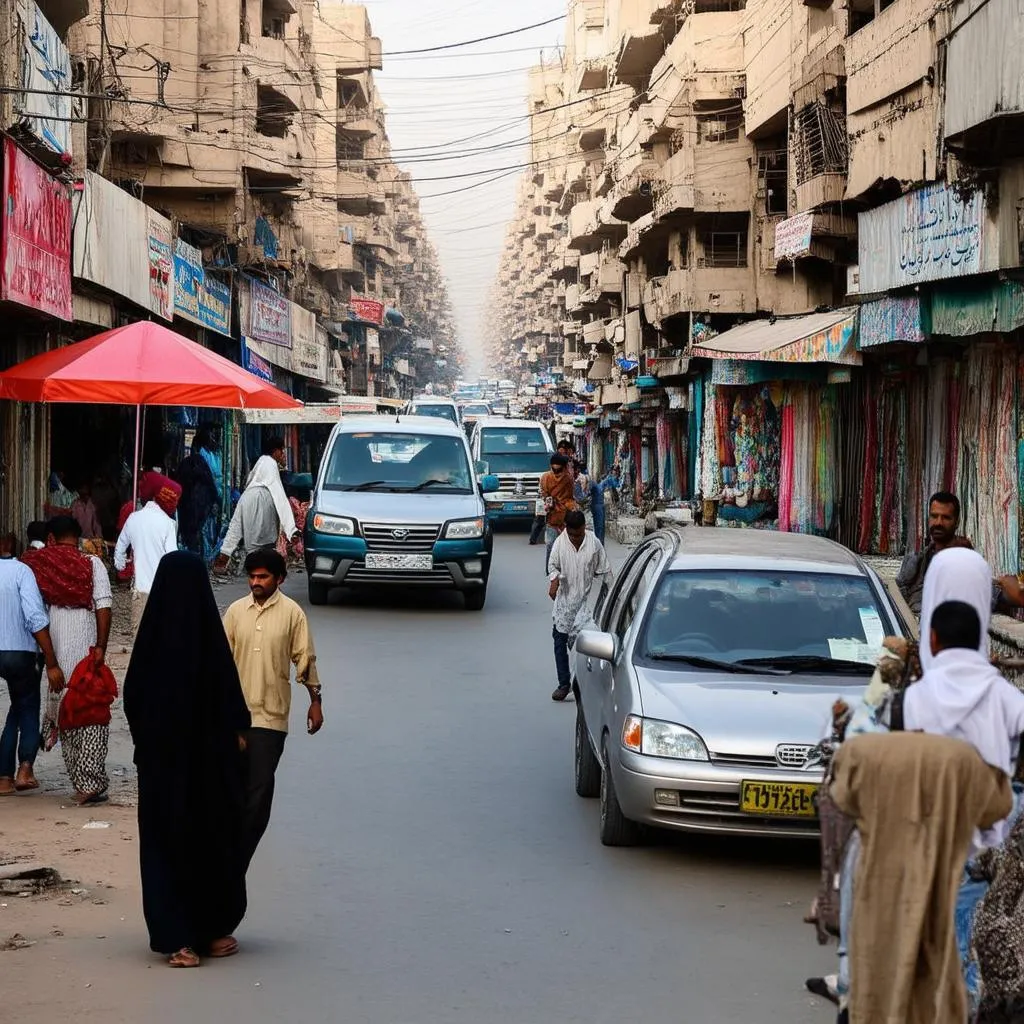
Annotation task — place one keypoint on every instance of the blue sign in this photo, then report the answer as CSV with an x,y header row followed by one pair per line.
x,y
198,297
256,364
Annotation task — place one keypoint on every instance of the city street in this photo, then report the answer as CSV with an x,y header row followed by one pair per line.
x,y
428,861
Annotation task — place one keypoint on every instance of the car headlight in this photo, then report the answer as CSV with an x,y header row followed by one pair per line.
x,y
339,526
464,529
662,739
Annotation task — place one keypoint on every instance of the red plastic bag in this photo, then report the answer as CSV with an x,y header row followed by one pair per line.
x,y
88,697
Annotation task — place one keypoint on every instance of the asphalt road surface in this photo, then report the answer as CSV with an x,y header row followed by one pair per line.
x,y
428,861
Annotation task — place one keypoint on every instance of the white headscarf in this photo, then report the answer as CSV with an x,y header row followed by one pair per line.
x,y
956,574
266,473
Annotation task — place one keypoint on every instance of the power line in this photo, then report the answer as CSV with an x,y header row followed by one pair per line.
x,y
472,42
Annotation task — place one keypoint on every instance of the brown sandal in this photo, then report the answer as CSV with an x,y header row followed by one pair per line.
x,y
228,946
185,957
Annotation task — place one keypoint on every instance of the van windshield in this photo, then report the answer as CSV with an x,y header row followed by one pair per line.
x,y
398,462
438,409
509,440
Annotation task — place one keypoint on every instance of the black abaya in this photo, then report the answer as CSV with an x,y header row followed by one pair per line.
x,y
185,708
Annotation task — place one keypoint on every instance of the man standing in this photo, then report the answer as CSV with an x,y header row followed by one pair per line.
x,y
268,633
577,559
943,521
23,626
558,491
84,512
150,533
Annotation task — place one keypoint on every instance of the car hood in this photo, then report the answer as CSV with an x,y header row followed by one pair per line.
x,y
746,714
380,507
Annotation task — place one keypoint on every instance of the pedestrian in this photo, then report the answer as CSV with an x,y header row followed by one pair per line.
x,y
917,800
275,448
263,513
84,512
37,532
207,445
199,505
76,589
577,559
558,491
187,716
943,523
24,632
268,633
150,533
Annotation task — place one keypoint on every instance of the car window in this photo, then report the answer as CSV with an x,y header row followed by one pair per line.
x,y
605,610
640,580
767,617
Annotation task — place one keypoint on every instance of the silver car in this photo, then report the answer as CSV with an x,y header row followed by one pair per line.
x,y
711,681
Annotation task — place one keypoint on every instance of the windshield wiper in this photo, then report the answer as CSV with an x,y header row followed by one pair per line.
x,y
725,666
812,663
424,485
369,485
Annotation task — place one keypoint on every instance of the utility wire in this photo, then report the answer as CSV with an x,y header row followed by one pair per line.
x,y
472,42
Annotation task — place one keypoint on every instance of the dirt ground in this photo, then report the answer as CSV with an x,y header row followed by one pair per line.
x,y
52,940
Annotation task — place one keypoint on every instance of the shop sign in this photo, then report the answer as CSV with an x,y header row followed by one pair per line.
x,y
198,296
44,107
309,345
931,234
35,247
161,265
256,364
895,318
793,236
269,315
369,310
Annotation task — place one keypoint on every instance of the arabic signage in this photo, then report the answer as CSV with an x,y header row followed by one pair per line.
x,y
309,345
35,245
793,236
930,234
369,310
45,105
198,296
161,265
269,315
256,364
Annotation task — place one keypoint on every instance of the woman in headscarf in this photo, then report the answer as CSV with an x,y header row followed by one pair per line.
x,y
263,514
917,800
185,708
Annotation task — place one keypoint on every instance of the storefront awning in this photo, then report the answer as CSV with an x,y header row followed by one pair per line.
x,y
813,338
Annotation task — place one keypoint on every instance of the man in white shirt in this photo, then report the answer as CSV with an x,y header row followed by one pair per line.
x,y
577,559
151,533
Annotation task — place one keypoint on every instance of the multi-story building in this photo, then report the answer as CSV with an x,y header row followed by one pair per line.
x,y
782,242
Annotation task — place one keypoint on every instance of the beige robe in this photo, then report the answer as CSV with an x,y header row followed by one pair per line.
x,y
917,800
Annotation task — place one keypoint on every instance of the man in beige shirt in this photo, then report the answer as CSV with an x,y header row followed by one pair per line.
x,y
268,633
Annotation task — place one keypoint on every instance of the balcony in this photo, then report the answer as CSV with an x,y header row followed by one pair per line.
x,y
360,194
359,123
699,290
273,162
639,52
582,224
593,74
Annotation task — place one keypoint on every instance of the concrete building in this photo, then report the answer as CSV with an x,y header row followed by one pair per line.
x,y
765,244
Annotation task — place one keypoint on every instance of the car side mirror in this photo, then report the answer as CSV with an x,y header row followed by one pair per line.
x,y
481,467
490,483
596,645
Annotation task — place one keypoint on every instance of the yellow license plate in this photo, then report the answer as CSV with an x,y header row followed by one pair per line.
x,y
785,799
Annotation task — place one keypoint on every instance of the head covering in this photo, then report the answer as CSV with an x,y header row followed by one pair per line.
x,y
162,489
267,473
917,800
956,574
184,705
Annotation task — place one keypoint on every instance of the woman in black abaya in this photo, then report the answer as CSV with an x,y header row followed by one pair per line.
x,y
186,712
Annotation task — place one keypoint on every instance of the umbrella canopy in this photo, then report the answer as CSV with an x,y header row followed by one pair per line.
x,y
141,364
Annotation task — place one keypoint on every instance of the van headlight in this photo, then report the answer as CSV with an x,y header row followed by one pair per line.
x,y
464,529
337,526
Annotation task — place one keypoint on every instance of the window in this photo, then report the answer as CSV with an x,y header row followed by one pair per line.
x,y
863,12
820,143
274,112
724,241
502,441
719,122
438,409
773,179
740,616
398,462
633,592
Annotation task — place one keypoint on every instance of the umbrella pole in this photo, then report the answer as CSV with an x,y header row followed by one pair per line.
x,y
135,467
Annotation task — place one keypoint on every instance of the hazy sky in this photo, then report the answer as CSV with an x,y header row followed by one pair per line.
x,y
442,105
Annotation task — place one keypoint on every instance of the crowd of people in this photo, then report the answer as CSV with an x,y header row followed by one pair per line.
x,y
922,855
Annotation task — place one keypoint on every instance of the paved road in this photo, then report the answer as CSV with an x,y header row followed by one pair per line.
x,y
429,862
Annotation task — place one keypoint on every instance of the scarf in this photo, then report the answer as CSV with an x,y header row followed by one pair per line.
x,y
266,473
63,573
956,574
162,489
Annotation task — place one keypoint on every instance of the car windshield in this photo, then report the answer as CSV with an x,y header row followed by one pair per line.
x,y
438,409
476,410
509,440
796,622
383,461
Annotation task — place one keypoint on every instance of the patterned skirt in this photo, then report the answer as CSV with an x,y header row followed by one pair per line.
x,y
85,757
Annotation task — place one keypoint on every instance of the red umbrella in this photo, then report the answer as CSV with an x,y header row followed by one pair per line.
x,y
141,364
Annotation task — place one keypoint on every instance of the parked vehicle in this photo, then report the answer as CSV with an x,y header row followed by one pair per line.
x,y
702,698
434,405
518,453
473,411
396,503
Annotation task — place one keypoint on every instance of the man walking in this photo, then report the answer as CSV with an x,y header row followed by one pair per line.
x,y
23,626
268,633
150,533
577,559
558,491
943,522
